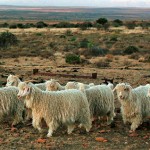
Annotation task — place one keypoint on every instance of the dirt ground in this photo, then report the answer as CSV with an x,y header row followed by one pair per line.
x,y
116,136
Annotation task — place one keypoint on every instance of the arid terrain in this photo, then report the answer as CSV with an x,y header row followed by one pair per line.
x,y
46,49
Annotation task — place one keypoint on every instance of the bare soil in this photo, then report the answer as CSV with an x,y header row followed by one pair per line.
x,y
117,136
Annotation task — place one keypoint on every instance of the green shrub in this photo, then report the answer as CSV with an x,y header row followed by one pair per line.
x,y
20,25
7,39
41,24
64,25
106,26
13,26
130,25
85,25
117,23
84,43
98,26
96,51
72,59
73,39
4,25
131,50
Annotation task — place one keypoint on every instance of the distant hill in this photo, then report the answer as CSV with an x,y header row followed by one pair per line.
x,y
72,13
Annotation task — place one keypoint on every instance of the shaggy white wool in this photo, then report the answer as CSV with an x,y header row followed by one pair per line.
x,y
101,101
10,105
56,107
135,104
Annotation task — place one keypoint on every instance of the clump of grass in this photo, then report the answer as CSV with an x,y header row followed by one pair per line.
x,y
127,63
68,32
95,51
102,63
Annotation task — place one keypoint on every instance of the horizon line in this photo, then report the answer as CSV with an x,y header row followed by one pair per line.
x,y
77,6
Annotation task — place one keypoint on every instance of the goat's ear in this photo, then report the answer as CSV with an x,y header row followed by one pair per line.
x,y
9,75
129,87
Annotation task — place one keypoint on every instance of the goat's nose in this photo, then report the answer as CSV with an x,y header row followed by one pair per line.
x,y
18,96
122,97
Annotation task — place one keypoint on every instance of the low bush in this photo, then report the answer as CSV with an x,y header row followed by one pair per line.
x,y
7,39
41,24
72,59
131,50
13,26
84,43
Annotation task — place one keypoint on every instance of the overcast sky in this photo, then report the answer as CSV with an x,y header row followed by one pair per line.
x,y
95,3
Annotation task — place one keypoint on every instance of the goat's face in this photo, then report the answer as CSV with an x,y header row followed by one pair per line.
x,y
12,80
24,90
123,91
51,85
71,85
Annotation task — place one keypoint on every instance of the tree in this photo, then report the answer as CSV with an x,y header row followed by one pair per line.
x,y
102,21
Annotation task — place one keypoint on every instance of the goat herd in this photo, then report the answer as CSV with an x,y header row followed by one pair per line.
x,y
74,103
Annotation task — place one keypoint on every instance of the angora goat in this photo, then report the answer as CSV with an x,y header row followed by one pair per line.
x,y
101,101
135,104
13,80
53,85
76,85
10,105
60,107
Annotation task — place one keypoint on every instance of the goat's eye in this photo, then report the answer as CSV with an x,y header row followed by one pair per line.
x,y
126,89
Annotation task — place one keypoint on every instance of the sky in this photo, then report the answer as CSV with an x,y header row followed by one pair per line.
x,y
92,3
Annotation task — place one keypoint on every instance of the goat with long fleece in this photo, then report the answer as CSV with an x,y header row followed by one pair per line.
x,y
135,104
101,101
10,106
14,80
53,85
56,107
76,85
